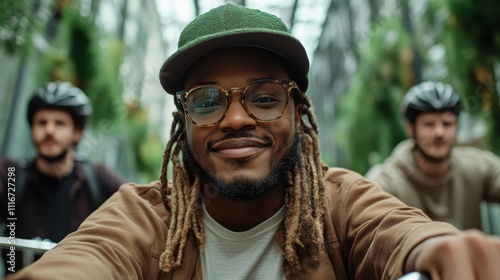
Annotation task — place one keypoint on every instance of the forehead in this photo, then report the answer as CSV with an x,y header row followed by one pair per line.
x,y
48,113
240,61
436,116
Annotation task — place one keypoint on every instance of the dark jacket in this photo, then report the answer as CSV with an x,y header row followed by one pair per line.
x,y
34,208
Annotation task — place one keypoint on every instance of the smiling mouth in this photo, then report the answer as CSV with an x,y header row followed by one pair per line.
x,y
239,148
240,153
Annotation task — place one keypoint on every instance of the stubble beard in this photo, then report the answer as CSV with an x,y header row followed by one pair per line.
x,y
429,158
244,188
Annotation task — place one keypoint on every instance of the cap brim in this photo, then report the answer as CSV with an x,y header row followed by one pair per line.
x,y
286,46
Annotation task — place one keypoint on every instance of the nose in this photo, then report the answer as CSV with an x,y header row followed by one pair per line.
x,y
439,130
50,127
236,117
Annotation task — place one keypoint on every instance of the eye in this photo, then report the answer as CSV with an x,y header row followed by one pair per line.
x,y
205,101
265,98
60,123
448,124
40,122
428,124
265,95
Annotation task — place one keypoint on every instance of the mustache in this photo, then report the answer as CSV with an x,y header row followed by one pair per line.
x,y
49,138
233,135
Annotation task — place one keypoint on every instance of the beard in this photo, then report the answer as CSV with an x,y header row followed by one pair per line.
x,y
245,189
428,157
55,158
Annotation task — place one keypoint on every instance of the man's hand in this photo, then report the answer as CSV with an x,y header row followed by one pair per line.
x,y
467,255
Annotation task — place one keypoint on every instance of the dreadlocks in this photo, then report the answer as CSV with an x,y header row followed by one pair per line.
x,y
304,199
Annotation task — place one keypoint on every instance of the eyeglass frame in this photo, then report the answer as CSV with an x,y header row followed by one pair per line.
x,y
288,85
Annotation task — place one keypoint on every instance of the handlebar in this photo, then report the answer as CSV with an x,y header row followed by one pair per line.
x,y
29,247
40,246
415,276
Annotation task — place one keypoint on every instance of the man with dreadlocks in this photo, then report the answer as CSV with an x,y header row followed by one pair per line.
x,y
249,197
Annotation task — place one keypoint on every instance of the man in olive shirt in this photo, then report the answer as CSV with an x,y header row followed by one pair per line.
x,y
428,171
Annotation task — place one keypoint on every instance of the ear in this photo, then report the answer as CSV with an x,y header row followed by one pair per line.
x,y
410,128
298,112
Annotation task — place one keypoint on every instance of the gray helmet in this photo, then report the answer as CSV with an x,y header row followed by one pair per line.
x,y
64,96
430,97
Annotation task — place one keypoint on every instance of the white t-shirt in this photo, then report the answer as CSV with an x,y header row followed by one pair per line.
x,y
251,254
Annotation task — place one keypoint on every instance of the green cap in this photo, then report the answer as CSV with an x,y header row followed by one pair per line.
x,y
229,26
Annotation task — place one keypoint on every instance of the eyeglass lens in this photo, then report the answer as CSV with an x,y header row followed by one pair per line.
x,y
265,101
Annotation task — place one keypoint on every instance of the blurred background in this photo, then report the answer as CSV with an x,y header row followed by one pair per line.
x,y
364,55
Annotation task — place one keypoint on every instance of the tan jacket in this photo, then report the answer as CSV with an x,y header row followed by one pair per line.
x,y
368,235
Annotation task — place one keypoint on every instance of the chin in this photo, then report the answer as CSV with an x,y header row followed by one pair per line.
x,y
255,167
241,175
53,151
49,154
53,155
444,152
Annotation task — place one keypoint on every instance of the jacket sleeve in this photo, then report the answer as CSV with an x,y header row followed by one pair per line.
x,y
121,240
376,231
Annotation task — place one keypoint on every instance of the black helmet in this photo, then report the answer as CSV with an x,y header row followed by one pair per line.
x,y
61,95
430,97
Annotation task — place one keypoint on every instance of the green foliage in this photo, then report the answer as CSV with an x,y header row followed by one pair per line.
x,y
76,50
19,19
470,33
460,59
83,56
82,48
93,63
460,54
369,121
479,20
369,118
147,145
105,88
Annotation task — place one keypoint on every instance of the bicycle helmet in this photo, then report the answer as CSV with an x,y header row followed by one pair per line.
x,y
430,97
64,96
